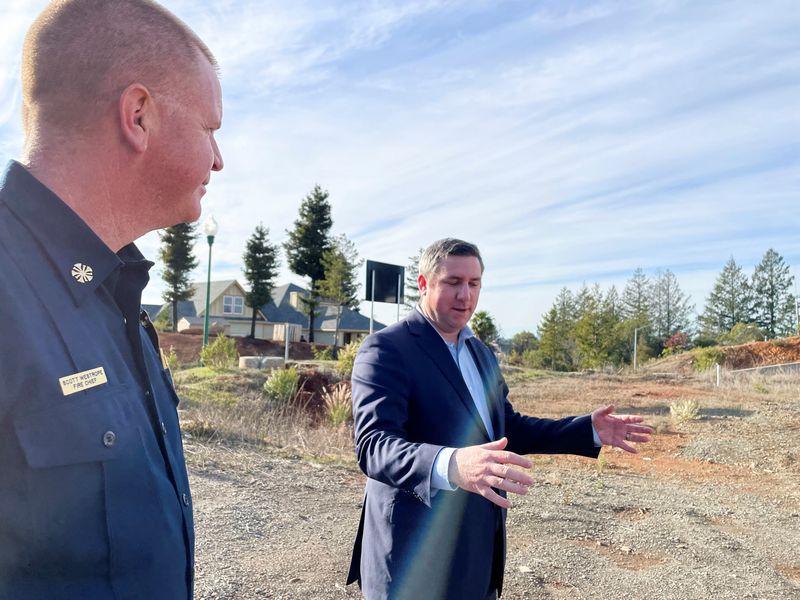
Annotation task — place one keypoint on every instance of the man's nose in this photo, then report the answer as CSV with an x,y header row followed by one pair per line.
x,y
218,163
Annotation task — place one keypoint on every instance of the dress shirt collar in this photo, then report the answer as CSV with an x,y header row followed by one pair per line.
x,y
463,335
81,260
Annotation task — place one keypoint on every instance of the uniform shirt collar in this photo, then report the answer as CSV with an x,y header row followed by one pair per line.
x,y
82,260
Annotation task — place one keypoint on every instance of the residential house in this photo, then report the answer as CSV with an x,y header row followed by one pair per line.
x,y
229,313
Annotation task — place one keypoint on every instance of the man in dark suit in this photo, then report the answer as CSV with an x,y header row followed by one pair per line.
x,y
440,444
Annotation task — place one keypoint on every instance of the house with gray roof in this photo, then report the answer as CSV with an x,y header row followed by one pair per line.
x,y
282,316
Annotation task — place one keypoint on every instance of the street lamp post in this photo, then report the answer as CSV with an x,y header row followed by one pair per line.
x,y
210,229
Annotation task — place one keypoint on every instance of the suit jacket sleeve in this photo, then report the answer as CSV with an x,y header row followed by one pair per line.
x,y
533,435
382,396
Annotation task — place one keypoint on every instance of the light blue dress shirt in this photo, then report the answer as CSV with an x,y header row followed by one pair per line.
x,y
472,378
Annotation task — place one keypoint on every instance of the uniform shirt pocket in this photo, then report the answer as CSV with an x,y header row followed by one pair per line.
x,y
87,429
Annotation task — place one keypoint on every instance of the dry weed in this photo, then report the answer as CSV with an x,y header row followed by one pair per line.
x,y
338,403
684,410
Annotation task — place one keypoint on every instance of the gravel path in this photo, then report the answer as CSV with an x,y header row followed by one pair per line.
x,y
710,510
270,526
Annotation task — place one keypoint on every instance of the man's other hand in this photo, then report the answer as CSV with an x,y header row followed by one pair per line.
x,y
478,469
620,430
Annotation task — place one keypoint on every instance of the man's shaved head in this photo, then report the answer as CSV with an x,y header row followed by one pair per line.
x,y
79,55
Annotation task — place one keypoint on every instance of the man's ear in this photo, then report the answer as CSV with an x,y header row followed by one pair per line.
x,y
422,284
136,116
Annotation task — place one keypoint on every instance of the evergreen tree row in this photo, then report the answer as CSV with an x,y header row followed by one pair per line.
x,y
330,263
592,328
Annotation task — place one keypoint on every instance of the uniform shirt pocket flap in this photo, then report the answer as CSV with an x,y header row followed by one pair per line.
x,y
88,429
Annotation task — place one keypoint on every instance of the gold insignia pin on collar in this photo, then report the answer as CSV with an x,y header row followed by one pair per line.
x,y
82,273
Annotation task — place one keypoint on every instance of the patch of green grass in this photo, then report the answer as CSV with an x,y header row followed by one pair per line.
x,y
517,375
206,385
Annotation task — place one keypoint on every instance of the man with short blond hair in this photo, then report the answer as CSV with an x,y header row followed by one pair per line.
x,y
121,101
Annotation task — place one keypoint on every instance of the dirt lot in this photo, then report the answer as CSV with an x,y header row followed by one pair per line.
x,y
709,509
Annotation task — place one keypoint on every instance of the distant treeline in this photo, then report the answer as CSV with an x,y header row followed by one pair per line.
x,y
593,328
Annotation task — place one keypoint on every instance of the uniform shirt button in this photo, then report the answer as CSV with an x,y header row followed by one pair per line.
x,y
185,498
109,437
147,393
163,428
124,321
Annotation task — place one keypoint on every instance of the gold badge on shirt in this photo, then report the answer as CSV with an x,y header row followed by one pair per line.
x,y
82,381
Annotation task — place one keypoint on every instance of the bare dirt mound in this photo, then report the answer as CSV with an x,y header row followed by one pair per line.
x,y
755,354
187,347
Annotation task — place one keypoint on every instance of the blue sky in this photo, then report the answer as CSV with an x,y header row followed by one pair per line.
x,y
572,141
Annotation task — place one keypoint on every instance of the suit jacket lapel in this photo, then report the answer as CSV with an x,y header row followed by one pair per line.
x,y
429,340
486,370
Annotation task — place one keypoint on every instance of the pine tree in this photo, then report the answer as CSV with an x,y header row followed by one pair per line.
x,y
774,305
411,296
307,242
596,331
635,304
670,308
260,269
556,339
730,301
340,282
176,253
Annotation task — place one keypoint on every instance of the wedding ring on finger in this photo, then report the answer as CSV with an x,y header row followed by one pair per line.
x,y
628,437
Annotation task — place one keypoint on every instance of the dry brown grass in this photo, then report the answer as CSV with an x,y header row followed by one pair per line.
x,y
211,411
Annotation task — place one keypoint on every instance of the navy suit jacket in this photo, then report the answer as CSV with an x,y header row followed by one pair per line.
x,y
409,401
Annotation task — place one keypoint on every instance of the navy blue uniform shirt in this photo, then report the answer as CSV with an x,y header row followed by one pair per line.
x,y
94,495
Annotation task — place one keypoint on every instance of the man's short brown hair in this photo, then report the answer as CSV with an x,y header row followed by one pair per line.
x,y
79,55
439,250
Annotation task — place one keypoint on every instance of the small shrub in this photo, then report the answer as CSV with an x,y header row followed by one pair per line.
x,y
706,358
742,333
163,322
338,403
220,354
677,341
684,410
347,356
323,353
172,359
281,385
760,388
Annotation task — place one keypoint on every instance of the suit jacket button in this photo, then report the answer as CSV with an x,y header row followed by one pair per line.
x,y
109,437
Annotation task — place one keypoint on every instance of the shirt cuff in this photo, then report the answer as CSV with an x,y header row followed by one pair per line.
x,y
596,438
441,464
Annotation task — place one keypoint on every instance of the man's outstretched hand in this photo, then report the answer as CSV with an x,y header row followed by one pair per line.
x,y
478,469
619,430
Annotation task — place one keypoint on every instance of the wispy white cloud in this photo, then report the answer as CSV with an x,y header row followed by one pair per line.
x,y
573,142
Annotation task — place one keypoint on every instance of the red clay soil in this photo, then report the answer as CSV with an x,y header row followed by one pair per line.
x,y
756,354
187,347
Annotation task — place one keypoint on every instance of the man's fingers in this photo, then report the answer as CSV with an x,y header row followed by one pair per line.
x,y
646,429
511,458
496,444
504,472
494,497
606,410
